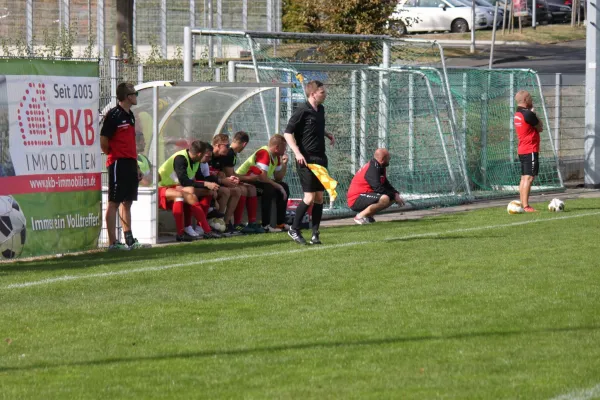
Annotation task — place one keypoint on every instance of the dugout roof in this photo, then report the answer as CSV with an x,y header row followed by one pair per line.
x,y
199,111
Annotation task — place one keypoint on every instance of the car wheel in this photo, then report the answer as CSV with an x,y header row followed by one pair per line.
x,y
400,27
459,26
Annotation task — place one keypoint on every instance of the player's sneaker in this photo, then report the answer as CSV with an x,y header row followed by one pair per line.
x,y
296,236
371,220
256,227
244,229
361,221
231,231
117,246
138,245
212,235
529,209
199,231
190,231
185,237
270,229
315,238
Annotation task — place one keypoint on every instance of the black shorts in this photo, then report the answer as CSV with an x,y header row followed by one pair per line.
x,y
364,200
530,164
123,180
309,181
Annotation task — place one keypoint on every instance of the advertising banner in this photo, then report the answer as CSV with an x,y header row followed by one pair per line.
x,y
50,157
520,8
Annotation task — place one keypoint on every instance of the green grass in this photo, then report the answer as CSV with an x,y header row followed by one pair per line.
x,y
543,34
469,305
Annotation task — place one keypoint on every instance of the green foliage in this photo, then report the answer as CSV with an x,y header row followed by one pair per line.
x,y
360,17
301,16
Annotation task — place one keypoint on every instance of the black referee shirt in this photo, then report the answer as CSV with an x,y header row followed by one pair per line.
x,y
308,127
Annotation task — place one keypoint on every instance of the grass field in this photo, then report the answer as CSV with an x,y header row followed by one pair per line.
x,y
543,34
476,305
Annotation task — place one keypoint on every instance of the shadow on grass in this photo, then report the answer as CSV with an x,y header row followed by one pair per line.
x,y
191,250
299,346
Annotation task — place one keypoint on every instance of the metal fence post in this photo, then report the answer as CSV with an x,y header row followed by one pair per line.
x,y
140,71
220,26
66,18
192,25
29,17
188,62
113,81
384,94
353,120
231,71
134,27
411,123
557,114
511,125
163,27
245,15
363,117
100,27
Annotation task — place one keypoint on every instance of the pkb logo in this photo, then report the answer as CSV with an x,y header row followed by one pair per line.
x,y
70,126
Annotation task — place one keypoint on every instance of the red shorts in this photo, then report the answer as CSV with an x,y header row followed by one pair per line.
x,y
162,198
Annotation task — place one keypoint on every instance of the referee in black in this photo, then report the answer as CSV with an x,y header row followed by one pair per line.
x,y
305,134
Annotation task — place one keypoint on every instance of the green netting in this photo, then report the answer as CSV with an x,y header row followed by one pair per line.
x,y
447,146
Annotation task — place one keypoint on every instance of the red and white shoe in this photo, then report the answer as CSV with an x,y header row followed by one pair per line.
x,y
529,209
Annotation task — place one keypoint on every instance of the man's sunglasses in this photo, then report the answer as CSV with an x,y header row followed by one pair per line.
x,y
136,94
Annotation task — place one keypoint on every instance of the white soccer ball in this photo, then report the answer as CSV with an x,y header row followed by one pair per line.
x,y
12,228
556,205
515,207
218,224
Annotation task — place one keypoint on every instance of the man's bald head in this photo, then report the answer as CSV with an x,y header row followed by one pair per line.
x,y
382,156
523,99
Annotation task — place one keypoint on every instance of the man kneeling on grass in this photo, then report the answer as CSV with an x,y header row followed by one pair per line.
x,y
177,190
370,191
266,169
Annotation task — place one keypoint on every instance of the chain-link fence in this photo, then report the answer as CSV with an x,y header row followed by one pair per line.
x,y
89,26
565,101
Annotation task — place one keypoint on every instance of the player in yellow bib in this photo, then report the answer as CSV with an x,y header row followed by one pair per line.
x,y
266,169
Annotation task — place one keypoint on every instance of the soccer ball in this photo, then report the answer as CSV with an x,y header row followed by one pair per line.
x,y
515,207
12,228
218,224
556,205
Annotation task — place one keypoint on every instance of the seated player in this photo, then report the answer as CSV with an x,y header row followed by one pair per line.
x,y
178,172
370,191
223,163
227,197
266,169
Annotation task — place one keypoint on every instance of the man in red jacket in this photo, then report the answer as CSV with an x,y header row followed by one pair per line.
x,y
370,191
528,128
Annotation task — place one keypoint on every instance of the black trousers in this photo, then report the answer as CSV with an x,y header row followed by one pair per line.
x,y
267,193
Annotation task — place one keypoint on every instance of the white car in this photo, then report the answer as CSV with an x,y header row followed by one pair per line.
x,y
437,15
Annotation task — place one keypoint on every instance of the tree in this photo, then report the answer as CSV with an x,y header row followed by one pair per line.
x,y
360,17
300,16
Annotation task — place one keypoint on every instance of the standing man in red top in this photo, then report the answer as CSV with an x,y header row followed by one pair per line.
x,y
370,191
528,128
117,140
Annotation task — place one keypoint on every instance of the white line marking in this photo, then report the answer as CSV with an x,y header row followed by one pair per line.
x,y
282,252
582,394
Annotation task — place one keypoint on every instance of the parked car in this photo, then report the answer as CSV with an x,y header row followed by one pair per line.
x,y
437,15
559,11
489,9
